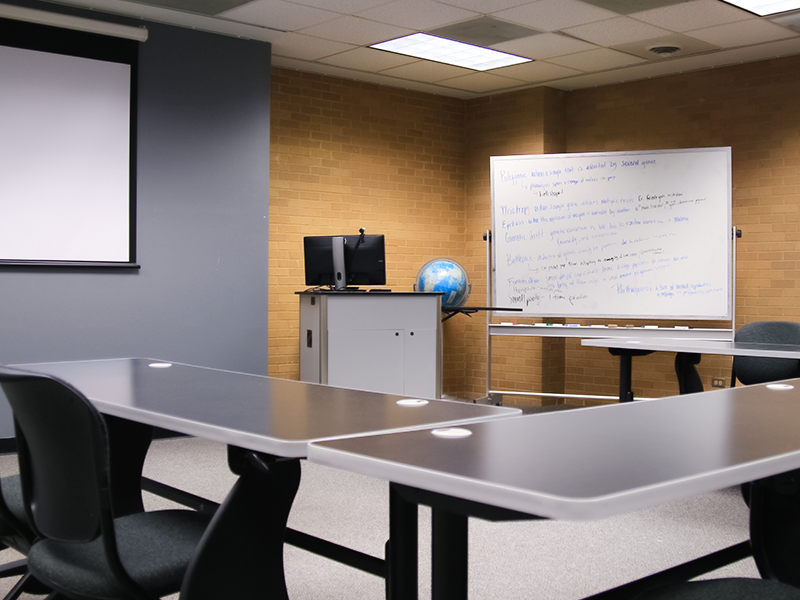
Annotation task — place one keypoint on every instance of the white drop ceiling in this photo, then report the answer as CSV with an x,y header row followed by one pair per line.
x,y
574,44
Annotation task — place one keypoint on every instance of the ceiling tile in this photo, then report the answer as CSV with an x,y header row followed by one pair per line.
x,y
536,71
790,20
278,14
417,14
203,7
356,30
742,33
305,47
686,45
544,45
481,83
611,32
346,7
596,60
626,7
368,59
483,31
552,15
692,15
485,7
426,70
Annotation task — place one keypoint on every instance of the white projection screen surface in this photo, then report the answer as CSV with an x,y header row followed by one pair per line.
x,y
65,158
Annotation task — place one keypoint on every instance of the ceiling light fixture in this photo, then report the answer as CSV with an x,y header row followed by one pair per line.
x,y
766,7
431,47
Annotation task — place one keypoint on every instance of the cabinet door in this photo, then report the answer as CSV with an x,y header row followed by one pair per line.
x,y
422,364
367,359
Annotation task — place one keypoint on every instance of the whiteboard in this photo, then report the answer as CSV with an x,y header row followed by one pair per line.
x,y
643,234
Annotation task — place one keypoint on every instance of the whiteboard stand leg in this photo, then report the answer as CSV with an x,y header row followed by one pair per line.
x,y
495,399
487,237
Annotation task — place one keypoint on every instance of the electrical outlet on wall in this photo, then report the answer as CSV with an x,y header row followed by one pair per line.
x,y
718,382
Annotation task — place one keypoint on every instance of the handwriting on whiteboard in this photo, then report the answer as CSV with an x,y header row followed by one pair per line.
x,y
623,234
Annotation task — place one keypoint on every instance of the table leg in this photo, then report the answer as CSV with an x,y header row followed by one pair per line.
x,y
241,554
775,527
626,370
625,376
128,445
450,555
402,569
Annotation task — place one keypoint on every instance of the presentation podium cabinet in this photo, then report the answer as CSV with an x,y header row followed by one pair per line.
x,y
386,342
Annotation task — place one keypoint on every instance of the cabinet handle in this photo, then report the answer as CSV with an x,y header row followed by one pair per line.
x,y
309,338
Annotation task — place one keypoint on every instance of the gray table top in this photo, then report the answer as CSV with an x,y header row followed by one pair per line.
x,y
594,462
266,414
698,346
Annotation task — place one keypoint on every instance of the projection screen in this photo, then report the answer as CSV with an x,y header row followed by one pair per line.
x,y
66,176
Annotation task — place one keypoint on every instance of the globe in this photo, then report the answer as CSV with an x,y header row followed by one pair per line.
x,y
445,275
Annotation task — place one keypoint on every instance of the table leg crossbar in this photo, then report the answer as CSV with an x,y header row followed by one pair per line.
x,y
342,554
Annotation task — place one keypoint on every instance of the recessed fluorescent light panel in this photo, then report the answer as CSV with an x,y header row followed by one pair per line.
x,y
766,7
430,47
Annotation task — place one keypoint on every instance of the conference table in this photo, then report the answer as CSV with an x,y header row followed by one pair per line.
x,y
627,347
268,424
587,464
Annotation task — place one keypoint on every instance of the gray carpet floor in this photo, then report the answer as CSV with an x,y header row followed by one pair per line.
x,y
536,560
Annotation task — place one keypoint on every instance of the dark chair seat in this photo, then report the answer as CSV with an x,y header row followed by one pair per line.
x,y
16,533
724,589
11,489
154,547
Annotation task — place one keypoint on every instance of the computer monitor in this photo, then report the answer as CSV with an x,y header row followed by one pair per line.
x,y
345,260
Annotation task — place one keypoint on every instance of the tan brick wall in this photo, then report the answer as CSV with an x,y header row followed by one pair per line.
x,y
346,155
415,167
749,107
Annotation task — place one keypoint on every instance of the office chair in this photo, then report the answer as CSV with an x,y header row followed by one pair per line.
x,y
15,533
750,370
774,530
82,550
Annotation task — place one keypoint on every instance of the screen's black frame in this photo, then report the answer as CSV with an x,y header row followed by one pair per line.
x,y
365,262
57,40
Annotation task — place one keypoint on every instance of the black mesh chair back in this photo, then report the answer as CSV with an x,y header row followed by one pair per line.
x,y
750,370
82,550
62,441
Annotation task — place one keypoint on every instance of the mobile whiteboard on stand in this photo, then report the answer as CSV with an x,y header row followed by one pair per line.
x,y
618,235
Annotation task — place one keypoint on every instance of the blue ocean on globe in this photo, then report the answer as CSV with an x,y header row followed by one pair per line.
x,y
445,275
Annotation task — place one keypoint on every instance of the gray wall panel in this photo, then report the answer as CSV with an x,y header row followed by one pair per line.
x,y
203,184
